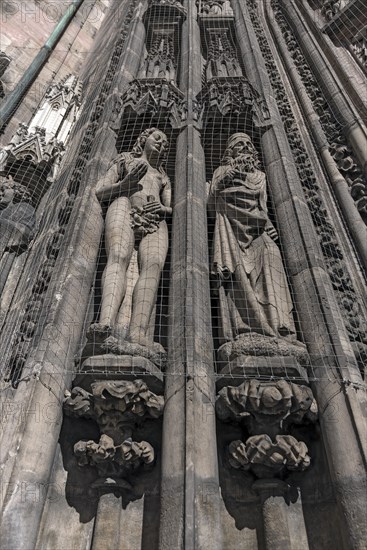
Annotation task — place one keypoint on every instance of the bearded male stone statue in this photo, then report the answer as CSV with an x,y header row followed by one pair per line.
x,y
253,289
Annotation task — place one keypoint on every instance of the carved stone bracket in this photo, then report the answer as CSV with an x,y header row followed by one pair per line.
x,y
155,96
267,406
114,460
118,407
266,410
267,458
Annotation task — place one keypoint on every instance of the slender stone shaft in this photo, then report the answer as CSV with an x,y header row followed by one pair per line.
x,y
106,528
355,223
276,532
190,489
354,129
274,510
117,528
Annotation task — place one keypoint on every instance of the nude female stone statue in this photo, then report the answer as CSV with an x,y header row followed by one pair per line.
x,y
139,195
253,290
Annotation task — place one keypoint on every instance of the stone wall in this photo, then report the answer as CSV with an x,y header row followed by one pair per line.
x,y
25,27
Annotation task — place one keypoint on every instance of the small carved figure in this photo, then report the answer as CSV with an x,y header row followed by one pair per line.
x,y
216,7
253,289
17,215
332,7
139,195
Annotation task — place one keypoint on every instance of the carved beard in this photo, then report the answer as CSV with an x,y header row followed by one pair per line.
x,y
244,163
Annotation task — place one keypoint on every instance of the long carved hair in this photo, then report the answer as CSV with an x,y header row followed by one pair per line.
x,y
139,145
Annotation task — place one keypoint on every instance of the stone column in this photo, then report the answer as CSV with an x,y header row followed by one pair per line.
x,y
340,187
275,521
354,128
323,329
190,489
349,73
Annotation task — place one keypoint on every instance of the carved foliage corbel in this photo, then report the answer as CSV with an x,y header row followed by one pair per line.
x,y
118,407
266,411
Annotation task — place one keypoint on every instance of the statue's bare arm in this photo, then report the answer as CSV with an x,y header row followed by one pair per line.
x,y
166,199
162,208
110,186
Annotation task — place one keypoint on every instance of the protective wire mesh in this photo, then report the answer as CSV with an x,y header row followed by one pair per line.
x,y
255,313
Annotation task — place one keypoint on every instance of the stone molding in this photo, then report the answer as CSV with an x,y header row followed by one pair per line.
x,y
351,308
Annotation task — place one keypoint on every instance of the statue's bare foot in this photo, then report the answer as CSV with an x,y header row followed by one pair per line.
x,y
98,333
142,340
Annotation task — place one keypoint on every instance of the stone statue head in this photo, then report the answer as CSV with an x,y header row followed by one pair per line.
x,y
152,138
240,146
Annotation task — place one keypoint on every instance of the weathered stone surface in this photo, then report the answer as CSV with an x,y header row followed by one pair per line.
x,y
250,468
118,407
260,346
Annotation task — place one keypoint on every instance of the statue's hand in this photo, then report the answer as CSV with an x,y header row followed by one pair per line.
x,y
228,178
272,232
156,207
137,173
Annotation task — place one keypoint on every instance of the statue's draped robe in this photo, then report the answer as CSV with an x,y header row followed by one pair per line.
x,y
253,291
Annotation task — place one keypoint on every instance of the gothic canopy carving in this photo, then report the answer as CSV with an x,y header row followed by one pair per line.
x,y
155,96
